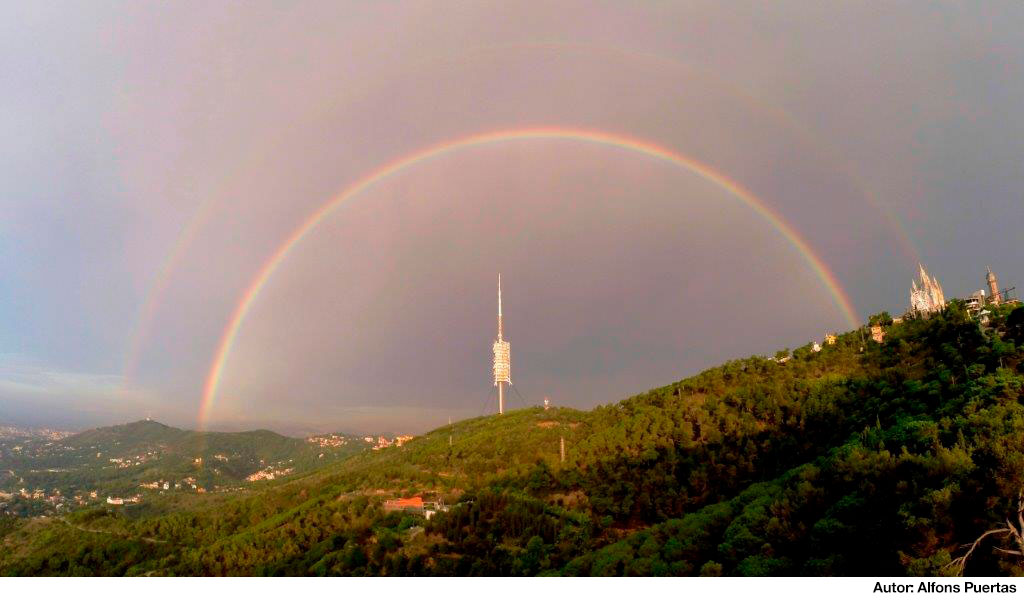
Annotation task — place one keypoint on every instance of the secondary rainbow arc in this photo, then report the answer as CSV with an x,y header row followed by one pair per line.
x,y
650,149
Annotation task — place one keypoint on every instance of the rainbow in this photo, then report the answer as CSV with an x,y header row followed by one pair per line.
x,y
775,112
158,287
382,173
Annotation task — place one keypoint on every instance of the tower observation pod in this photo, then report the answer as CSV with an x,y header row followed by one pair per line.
x,y
502,365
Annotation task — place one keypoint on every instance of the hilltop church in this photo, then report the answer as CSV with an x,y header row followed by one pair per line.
x,y
927,298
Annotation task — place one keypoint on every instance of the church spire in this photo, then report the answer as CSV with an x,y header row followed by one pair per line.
x,y
927,297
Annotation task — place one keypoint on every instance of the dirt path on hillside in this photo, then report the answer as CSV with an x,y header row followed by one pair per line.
x,y
147,539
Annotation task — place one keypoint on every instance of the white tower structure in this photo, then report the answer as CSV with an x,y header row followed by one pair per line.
x,y
502,368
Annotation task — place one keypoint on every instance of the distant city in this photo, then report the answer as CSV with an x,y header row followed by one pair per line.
x,y
7,431
48,472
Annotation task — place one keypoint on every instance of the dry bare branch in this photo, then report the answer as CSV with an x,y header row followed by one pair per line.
x,y
1014,534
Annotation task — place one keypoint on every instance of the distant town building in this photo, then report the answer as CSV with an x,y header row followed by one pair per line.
x,y
383,443
830,339
330,440
269,474
975,302
415,505
816,348
983,316
926,298
115,501
547,403
878,334
411,503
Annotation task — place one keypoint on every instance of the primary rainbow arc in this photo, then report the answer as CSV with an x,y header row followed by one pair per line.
x,y
643,147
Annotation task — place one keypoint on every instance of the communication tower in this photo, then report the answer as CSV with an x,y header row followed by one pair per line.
x,y
502,374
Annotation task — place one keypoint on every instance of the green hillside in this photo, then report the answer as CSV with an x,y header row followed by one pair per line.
x,y
861,459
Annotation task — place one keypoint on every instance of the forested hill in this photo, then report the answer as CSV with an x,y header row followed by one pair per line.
x,y
861,459
140,432
147,433
143,435
117,460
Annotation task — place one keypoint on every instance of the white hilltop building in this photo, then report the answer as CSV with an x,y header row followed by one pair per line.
x,y
926,298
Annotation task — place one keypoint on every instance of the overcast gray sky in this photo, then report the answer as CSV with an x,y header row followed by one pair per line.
x,y
155,155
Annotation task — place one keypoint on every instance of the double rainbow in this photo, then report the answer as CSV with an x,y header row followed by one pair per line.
x,y
642,147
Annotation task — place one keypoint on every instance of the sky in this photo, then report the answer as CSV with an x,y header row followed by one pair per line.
x,y
156,156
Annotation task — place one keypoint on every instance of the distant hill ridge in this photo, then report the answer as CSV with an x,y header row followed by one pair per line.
x,y
140,431
145,432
